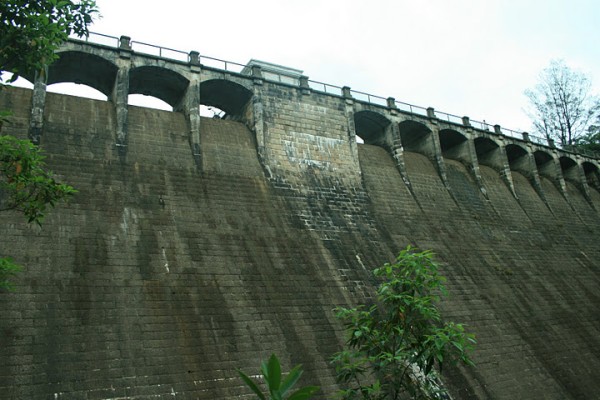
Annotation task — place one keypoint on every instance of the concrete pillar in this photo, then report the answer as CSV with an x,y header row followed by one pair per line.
x,y
466,121
352,132
583,183
190,106
38,103
474,163
398,155
119,99
261,130
530,170
438,157
505,172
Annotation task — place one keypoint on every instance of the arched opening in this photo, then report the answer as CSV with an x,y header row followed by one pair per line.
x,y
545,166
212,112
592,175
488,153
416,138
517,159
226,99
74,89
145,101
161,83
21,82
569,168
371,128
454,145
82,69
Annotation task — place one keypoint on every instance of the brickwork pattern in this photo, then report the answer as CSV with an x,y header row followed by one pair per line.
x,y
159,279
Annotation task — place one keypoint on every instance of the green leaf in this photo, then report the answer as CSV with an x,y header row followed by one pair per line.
x,y
291,379
250,383
304,393
274,374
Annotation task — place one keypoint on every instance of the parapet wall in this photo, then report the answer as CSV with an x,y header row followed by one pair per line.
x,y
197,246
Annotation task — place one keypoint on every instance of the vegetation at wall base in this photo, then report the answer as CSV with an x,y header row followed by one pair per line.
x,y
394,345
278,386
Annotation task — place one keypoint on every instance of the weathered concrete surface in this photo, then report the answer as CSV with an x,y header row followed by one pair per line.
x,y
161,278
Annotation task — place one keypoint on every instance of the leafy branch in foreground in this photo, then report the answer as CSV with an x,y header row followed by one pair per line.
x,y
7,269
278,388
394,345
25,185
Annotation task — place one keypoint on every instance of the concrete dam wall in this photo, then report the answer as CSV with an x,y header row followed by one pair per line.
x,y
197,246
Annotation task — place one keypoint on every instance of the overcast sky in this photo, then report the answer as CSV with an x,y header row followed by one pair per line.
x,y
465,57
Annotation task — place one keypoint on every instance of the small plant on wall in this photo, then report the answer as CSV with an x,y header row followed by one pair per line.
x,y
394,345
278,386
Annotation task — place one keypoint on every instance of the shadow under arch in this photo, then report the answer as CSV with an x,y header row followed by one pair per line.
x,y
543,161
83,68
454,145
592,175
164,84
568,167
516,156
416,138
225,95
488,153
371,127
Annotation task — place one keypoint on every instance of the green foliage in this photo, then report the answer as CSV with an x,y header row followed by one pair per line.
x,y
30,31
7,269
394,345
278,387
25,184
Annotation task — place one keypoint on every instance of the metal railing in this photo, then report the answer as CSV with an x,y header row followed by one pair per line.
x,y
216,63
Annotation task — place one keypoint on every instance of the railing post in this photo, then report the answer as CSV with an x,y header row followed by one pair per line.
x,y
303,82
391,103
431,112
257,75
466,121
194,58
347,92
497,129
551,143
525,136
125,43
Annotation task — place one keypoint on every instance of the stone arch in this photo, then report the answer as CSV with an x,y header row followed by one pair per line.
x,y
569,168
454,145
517,157
162,83
228,96
83,68
416,137
488,153
372,128
545,166
592,174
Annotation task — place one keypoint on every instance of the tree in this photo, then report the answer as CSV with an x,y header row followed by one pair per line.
x,y
591,140
30,32
562,105
278,389
394,345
